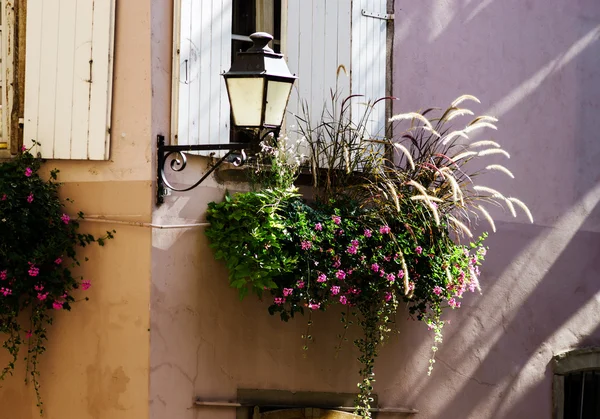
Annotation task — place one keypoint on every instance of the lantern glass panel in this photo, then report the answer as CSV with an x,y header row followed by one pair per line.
x,y
246,97
278,93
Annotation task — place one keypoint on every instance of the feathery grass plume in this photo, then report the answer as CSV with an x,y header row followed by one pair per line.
x,y
411,116
458,112
462,98
479,125
407,291
426,198
464,154
500,168
511,207
453,134
406,153
456,191
483,118
491,191
484,143
394,193
491,151
461,225
488,217
523,207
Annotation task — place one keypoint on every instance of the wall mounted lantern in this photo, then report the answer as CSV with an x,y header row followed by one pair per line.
x,y
259,84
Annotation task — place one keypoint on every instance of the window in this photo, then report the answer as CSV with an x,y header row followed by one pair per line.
x,y
577,384
330,45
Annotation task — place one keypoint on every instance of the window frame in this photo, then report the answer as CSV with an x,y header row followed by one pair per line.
x,y
578,360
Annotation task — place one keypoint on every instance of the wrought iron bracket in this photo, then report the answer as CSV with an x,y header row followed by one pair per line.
x,y
178,162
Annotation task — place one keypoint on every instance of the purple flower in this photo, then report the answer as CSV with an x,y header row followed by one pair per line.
x,y
388,296
28,172
65,218
391,277
321,278
340,274
287,292
367,233
343,300
385,229
375,267
400,274
354,243
318,227
335,290
30,198
336,219
352,250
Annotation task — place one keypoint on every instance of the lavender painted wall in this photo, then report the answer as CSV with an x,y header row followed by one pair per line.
x,y
535,64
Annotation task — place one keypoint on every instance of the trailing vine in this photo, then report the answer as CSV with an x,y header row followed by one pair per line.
x,y
38,254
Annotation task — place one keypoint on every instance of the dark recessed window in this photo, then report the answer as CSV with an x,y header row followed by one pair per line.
x,y
576,384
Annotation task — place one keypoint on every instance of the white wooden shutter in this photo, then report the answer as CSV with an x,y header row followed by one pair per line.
x,y
202,52
369,67
68,77
326,35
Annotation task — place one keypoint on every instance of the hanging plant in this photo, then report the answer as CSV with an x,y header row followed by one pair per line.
x,y
38,243
389,224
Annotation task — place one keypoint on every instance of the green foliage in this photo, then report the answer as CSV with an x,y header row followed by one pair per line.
x,y
38,251
385,226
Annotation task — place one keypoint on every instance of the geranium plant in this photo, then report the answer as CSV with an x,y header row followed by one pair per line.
x,y
388,223
38,243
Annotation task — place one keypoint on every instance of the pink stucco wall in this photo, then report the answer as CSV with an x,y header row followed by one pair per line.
x,y
536,65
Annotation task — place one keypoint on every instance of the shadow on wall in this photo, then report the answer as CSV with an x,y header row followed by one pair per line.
x,y
538,64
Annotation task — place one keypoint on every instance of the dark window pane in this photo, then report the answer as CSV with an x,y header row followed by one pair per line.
x,y
582,395
572,395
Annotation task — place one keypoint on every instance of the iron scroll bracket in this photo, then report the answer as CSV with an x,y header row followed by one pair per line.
x,y
178,162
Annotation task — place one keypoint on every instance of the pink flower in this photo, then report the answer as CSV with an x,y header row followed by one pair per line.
x,y
340,274
28,172
335,290
352,250
354,291
336,219
391,277
354,243
388,296
453,303
23,148
337,263
4,197
381,273
343,300
306,245
385,229
482,251
30,198
437,290
41,296
39,287
58,261
57,305
86,284
5,291
65,218
375,267
278,300
400,274
367,233
419,250
387,258
33,271
300,284
411,286
339,232
3,275
322,278
314,306
318,227
29,334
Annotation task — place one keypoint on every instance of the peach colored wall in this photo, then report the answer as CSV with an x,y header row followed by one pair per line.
x,y
535,64
96,365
